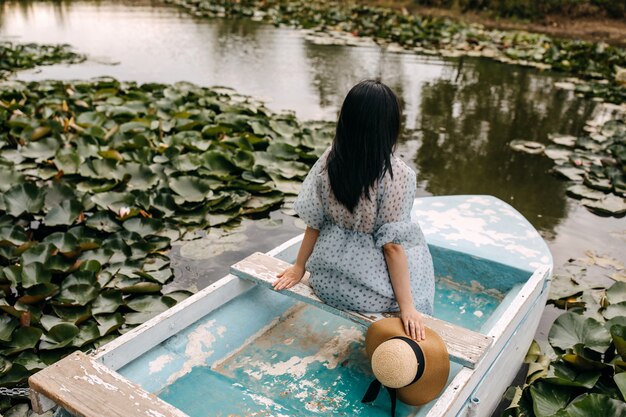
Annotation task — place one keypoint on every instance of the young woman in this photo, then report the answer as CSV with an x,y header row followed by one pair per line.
x,y
360,246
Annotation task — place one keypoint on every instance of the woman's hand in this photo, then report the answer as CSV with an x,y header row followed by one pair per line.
x,y
289,277
413,323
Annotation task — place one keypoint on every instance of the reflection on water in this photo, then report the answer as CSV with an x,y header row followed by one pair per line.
x,y
459,115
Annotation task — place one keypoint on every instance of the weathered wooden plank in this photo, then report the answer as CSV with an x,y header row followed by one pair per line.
x,y
87,388
464,346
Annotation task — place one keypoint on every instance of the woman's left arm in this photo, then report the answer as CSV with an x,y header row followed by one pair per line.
x,y
292,275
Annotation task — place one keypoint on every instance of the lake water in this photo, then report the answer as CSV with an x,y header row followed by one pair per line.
x,y
459,114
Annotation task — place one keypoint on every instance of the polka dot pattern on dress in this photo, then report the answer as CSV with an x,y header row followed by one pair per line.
x,y
347,265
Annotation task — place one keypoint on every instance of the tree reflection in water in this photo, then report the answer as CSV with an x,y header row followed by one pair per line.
x,y
467,121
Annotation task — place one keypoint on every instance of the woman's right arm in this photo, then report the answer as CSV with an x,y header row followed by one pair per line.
x,y
292,275
398,267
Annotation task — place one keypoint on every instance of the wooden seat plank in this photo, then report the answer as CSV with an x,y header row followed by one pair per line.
x,y
464,346
87,388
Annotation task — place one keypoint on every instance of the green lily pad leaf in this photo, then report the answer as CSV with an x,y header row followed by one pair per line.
x,y
569,172
571,329
135,286
145,303
59,263
24,198
156,262
12,235
161,276
141,176
108,322
559,373
13,273
48,321
72,314
618,333
35,273
615,310
64,214
91,118
22,339
38,292
11,177
64,242
59,336
243,159
16,375
620,381
78,289
596,405
583,359
179,295
88,332
283,151
7,325
107,302
191,189
557,154
42,149
548,399
139,318
30,361
611,204
103,221
92,266
39,252
217,163
527,146
582,191
563,140
67,160
616,293
261,203
143,226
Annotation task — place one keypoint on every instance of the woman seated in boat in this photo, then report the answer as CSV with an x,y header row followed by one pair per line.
x,y
360,246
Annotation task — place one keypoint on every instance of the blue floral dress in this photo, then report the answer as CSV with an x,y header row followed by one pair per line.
x,y
347,265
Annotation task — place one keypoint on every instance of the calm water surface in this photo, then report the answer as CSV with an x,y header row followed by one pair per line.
x,y
459,114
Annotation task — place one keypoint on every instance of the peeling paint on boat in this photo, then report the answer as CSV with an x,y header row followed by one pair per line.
x,y
158,364
197,350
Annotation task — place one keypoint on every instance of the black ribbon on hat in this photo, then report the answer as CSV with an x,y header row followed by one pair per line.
x,y
374,389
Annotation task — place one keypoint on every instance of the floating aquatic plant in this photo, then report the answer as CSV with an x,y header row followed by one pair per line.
x,y
95,176
583,369
16,56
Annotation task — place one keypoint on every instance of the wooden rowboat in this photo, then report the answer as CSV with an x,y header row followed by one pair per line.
x,y
238,348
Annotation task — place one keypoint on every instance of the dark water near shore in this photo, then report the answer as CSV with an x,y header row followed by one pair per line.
x,y
459,114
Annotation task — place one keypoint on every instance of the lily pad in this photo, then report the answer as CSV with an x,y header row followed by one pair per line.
x,y
22,339
571,329
527,146
611,204
597,405
548,399
23,198
582,191
64,214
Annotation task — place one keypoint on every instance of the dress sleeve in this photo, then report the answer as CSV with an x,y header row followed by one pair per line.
x,y
393,223
309,204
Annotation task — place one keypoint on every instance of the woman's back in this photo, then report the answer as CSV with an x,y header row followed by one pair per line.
x,y
384,205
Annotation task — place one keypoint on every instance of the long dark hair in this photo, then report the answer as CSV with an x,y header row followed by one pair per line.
x,y
367,131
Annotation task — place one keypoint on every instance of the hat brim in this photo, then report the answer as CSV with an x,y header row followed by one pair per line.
x,y
437,361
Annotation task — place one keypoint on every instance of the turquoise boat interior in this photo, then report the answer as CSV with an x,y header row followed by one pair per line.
x,y
264,353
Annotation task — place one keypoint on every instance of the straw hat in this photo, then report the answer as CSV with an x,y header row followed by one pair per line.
x,y
414,371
